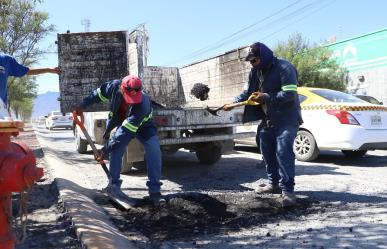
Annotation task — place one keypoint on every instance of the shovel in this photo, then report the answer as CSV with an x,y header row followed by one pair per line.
x,y
79,122
121,199
233,105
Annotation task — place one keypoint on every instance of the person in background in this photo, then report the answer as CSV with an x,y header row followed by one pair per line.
x,y
9,66
273,84
131,112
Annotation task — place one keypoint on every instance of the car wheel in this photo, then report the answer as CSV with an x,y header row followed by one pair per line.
x,y
354,153
209,155
305,147
81,144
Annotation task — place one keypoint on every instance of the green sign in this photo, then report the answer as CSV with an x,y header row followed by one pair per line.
x,y
362,52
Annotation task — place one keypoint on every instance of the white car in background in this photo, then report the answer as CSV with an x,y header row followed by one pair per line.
x,y
56,119
334,120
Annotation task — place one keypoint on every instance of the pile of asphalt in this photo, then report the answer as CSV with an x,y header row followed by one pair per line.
x,y
188,215
200,91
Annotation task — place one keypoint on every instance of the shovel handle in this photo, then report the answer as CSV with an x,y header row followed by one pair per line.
x,y
246,102
80,123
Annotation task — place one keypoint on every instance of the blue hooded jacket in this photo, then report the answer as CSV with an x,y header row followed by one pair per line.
x,y
277,78
138,118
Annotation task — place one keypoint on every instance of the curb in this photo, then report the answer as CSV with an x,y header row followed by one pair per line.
x,y
92,226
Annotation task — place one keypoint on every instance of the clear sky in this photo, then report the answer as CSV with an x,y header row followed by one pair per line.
x,y
185,31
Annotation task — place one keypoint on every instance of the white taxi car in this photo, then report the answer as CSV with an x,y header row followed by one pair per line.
x,y
335,120
55,119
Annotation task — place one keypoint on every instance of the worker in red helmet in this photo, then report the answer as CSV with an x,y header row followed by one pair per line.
x,y
131,112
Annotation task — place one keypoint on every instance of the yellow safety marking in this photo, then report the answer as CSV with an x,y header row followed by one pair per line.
x,y
288,88
100,95
343,108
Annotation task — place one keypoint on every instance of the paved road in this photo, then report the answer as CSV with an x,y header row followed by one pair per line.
x,y
353,191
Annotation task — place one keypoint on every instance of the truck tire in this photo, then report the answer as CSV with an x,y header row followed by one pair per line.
x,y
209,155
80,144
305,147
354,153
128,167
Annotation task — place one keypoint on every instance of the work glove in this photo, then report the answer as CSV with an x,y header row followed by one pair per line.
x,y
102,155
106,137
78,110
258,97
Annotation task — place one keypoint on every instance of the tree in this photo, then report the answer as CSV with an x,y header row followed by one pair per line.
x,y
315,65
22,27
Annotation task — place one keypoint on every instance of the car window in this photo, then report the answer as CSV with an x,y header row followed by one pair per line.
x,y
336,96
301,98
370,99
57,113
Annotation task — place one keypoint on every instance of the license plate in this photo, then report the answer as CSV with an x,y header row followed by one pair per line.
x,y
376,120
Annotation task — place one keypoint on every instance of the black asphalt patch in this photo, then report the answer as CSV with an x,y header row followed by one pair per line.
x,y
188,215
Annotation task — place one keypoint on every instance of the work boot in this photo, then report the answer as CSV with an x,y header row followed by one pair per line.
x,y
157,199
269,189
288,199
114,191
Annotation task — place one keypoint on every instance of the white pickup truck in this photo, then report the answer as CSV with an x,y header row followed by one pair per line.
x,y
89,59
193,129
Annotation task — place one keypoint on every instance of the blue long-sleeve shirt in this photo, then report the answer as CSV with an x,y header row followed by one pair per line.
x,y
9,67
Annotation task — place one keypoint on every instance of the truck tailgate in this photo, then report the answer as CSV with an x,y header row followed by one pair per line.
x,y
198,118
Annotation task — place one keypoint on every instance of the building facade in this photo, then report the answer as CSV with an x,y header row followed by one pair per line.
x,y
365,58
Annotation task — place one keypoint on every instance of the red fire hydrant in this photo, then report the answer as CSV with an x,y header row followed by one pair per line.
x,y
18,172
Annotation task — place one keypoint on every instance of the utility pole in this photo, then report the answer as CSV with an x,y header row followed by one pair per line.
x,y
86,22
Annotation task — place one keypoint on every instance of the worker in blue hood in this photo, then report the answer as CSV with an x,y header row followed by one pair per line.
x,y
273,84
259,51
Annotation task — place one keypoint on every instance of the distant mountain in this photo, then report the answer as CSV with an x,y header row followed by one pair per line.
x,y
44,103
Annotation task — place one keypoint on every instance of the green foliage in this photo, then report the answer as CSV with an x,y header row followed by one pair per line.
x,y
22,27
315,65
23,109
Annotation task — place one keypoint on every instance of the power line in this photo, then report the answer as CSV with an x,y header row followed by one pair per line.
x,y
235,33
287,17
329,3
260,21
300,19
233,37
